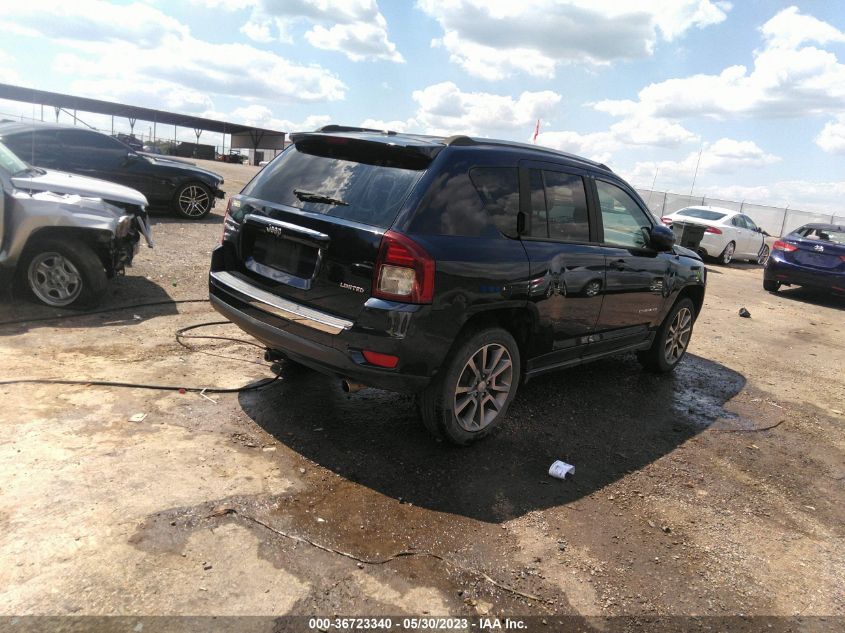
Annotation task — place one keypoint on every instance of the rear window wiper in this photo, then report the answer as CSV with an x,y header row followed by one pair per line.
x,y
310,196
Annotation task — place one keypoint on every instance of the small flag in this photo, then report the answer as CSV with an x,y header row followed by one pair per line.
x,y
536,130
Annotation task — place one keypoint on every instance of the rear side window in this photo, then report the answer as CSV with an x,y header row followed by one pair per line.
x,y
342,188
559,206
499,191
90,140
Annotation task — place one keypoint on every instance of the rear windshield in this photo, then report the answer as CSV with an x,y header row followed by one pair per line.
x,y
826,235
362,192
701,214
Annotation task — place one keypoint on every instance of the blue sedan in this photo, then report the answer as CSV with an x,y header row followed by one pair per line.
x,y
813,255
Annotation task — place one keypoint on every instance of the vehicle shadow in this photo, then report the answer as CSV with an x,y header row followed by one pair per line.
x,y
163,215
813,296
18,314
607,419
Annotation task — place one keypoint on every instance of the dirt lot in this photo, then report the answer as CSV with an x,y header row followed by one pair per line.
x,y
717,491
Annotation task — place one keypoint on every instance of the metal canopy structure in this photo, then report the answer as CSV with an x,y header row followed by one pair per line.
x,y
245,136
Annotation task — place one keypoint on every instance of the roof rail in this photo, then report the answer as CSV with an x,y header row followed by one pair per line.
x,y
350,128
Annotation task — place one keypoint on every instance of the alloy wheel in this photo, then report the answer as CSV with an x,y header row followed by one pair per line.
x,y
728,253
54,279
763,257
483,387
678,335
193,201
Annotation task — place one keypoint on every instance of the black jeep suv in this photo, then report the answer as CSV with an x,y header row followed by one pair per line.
x,y
450,267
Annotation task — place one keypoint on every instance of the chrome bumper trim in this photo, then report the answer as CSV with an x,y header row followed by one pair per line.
x,y
277,306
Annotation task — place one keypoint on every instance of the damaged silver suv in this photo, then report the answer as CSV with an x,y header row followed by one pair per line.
x,y
63,236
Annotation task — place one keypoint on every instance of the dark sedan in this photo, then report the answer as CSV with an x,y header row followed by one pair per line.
x,y
186,189
813,255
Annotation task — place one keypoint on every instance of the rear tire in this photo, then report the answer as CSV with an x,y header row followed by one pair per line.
x,y
727,254
471,396
672,339
62,274
770,285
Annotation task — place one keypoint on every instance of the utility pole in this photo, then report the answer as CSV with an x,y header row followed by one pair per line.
x,y
695,174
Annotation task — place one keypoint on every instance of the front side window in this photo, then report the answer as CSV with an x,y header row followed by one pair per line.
x,y
749,223
10,162
625,223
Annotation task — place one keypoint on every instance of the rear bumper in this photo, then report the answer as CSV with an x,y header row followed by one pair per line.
x,y
788,273
332,345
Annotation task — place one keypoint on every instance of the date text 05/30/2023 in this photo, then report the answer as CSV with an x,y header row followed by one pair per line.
x,y
416,624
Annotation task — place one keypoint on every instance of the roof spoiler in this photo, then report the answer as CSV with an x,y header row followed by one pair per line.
x,y
350,128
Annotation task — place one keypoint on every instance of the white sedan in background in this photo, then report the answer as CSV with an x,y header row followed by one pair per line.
x,y
728,234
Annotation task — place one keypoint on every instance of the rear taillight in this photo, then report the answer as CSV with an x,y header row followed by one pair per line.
x,y
713,230
786,247
404,270
666,221
226,220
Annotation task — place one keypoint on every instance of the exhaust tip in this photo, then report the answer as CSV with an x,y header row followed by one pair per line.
x,y
349,386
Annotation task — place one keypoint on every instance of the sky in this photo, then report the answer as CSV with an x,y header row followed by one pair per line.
x,y
742,100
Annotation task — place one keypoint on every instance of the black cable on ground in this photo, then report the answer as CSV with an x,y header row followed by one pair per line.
x,y
72,315
132,385
180,334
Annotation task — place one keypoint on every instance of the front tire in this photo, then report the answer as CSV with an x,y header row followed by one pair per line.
x,y
472,395
62,274
672,339
763,257
193,201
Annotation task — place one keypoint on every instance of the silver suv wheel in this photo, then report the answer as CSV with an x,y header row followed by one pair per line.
x,y
483,387
54,279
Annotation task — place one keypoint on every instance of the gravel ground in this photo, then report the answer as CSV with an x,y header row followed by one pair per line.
x,y
716,491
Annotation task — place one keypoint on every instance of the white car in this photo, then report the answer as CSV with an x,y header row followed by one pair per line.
x,y
729,234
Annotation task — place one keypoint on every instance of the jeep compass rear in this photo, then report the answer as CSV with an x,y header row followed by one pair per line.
x,y
309,267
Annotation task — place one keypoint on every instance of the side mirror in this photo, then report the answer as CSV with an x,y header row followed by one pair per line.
x,y
661,238
131,157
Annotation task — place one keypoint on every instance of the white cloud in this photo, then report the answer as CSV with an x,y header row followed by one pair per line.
x,y
355,28
410,125
496,39
725,156
92,20
832,137
444,108
787,80
122,48
790,28
359,41
597,146
262,116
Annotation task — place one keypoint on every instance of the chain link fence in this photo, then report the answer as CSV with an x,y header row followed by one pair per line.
x,y
776,221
